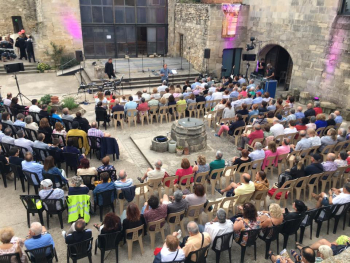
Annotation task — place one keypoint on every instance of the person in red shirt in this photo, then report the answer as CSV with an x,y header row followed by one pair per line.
x,y
142,109
302,126
317,108
186,170
257,133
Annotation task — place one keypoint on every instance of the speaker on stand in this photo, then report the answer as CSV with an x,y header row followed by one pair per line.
x,y
207,57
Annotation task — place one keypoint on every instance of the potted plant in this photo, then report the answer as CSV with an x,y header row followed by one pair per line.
x,y
179,150
186,151
54,99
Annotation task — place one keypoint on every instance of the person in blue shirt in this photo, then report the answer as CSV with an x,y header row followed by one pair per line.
x,y
38,237
259,89
338,118
196,83
50,168
299,114
164,72
19,121
258,98
105,186
55,116
29,165
130,105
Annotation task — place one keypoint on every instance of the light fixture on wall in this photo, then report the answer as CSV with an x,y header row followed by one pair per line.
x,y
252,44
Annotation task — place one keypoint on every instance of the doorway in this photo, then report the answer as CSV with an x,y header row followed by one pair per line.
x,y
231,58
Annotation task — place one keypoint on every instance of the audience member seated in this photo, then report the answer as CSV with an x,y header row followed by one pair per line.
x,y
7,100
258,98
240,160
38,237
272,105
19,120
299,207
145,95
7,168
111,224
14,156
270,218
341,135
246,186
103,112
270,117
163,102
284,148
44,127
195,240
331,121
248,220
77,187
71,149
85,168
338,119
239,122
198,197
48,192
311,124
1,133
323,245
107,167
50,168
39,143
29,165
21,141
100,98
303,144
7,138
157,211
341,161
178,203
291,128
261,182
315,167
218,226
133,219
186,169
334,197
130,105
307,256
271,151
256,133
142,109
329,139
218,163
43,112
317,108
83,123
329,165
30,124
94,131
170,251
258,152
295,172
229,111
201,165
244,110
59,129
66,115
221,105
75,131
321,121
313,138
277,128
77,233
16,108
123,181
263,107
11,244
260,119
291,116
300,114
5,118
254,110
154,174
54,115
104,186
310,111
118,107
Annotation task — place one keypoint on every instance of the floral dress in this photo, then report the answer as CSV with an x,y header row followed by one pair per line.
x,y
247,225
11,250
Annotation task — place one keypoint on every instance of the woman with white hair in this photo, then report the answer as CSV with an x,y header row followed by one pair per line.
x,y
323,253
273,217
30,124
11,244
341,135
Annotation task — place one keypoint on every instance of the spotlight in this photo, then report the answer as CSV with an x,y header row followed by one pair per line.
x,y
252,39
250,47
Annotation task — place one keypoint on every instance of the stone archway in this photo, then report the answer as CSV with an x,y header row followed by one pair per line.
x,y
281,60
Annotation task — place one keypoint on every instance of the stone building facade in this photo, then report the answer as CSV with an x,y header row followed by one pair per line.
x,y
312,32
47,21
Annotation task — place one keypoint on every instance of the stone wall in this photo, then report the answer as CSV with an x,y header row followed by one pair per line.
x,y
48,21
316,38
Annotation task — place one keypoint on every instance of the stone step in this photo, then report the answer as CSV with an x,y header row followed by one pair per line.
x,y
20,72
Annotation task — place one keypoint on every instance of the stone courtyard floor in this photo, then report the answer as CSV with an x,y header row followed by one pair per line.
x,y
13,213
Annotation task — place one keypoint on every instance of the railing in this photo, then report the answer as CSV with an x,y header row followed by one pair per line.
x,y
60,68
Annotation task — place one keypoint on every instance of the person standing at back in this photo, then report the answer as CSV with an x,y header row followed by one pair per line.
x,y
109,70
30,48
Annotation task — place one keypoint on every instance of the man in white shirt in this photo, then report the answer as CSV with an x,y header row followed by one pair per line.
x,y
167,93
218,227
34,107
163,87
336,196
146,95
237,102
277,128
153,174
21,141
8,99
291,128
258,152
217,95
212,89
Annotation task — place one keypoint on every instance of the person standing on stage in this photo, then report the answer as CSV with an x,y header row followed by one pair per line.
x,y
22,46
270,72
109,70
261,67
164,72
30,48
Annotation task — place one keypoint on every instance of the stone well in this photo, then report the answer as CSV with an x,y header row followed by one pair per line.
x,y
189,132
160,144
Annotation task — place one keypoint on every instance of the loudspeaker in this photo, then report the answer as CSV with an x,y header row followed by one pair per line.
x,y
249,57
79,55
207,53
15,67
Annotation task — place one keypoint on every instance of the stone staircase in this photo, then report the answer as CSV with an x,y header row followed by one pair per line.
x,y
28,69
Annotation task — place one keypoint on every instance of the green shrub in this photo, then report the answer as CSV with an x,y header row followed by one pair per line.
x,y
43,66
57,53
69,103
45,100
70,60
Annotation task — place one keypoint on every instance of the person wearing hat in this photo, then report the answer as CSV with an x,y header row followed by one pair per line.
x,y
48,193
299,211
315,167
258,98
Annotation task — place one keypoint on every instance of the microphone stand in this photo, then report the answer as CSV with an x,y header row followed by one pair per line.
x,y
189,62
149,81
20,94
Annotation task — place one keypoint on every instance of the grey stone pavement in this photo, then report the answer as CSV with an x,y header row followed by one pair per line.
x,y
13,213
